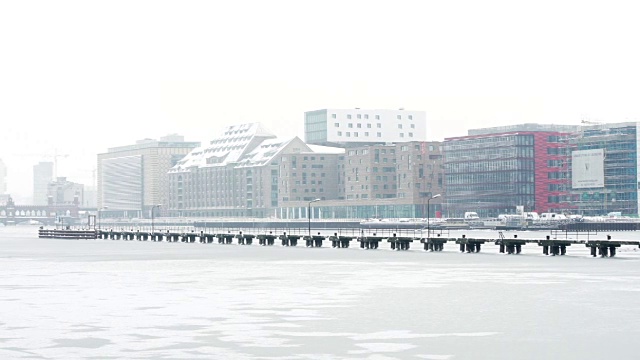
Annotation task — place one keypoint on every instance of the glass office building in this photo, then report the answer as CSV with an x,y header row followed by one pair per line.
x,y
617,191
494,172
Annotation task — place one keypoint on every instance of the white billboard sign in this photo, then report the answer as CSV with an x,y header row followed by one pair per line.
x,y
587,169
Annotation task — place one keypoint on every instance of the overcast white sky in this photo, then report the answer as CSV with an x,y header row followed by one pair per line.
x,y
78,77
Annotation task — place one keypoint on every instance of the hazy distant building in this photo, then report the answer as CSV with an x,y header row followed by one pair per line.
x,y
64,192
133,178
3,178
42,176
357,127
90,198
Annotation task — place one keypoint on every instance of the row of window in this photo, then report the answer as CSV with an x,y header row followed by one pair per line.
x,y
305,158
366,134
483,166
368,125
493,141
308,190
490,178
366,116
358,152
480,189
491,153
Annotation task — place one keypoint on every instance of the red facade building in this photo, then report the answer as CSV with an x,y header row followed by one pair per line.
x,y
498,170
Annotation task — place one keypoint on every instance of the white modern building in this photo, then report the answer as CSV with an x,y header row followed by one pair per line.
x,y
357,127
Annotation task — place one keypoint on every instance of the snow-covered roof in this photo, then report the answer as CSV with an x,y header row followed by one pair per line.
x,y
236,141
263,154
320,149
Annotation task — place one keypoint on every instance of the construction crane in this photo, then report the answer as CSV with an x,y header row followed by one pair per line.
x,y
55,156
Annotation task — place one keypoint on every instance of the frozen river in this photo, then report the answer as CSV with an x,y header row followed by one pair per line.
x,y
104,299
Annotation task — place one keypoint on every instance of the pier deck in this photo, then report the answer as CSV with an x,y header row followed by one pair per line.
x,y
553,247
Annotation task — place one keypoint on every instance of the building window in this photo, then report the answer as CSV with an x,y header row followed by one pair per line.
x,y
355,134
413,126
366,116
348,134
410,117
336,124
348,116
379,134
378,125
368,126
401,135
377,117
333,116
410,134
339,133
399,117
366,133
359,125
359,116
399,126
350,125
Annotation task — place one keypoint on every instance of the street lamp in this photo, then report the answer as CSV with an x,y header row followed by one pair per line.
x,y
99,210
152,217
309,214
428,215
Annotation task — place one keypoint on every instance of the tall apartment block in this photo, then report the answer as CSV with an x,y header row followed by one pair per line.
x,y
388,181
132,179
42,176
356,127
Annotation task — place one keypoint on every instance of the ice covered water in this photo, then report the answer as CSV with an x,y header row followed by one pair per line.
x,y
103,299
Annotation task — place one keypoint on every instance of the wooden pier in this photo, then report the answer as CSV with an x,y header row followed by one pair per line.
x,y
511,246
469,245
66,234
400,243
434,243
